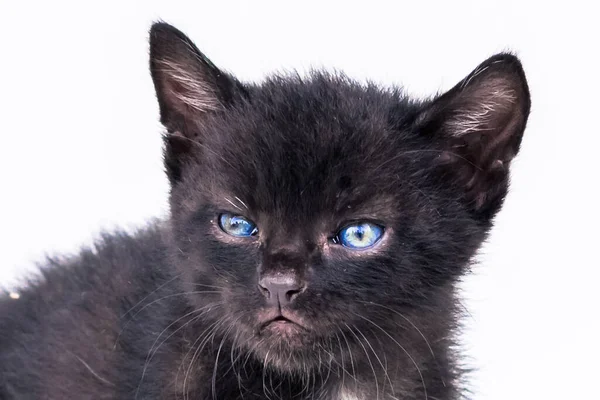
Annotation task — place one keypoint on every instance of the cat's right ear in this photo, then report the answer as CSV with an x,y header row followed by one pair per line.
x,y
189,87
479,124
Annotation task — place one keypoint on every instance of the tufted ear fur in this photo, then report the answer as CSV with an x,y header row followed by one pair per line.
x,y
189,87
479,124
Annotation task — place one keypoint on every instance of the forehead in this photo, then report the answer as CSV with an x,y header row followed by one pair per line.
x,y
310,147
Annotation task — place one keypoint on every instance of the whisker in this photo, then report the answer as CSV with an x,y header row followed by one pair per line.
x,y
407,320
200,338
344,372
249,354
244,204
264,383
204,285
234,348
151,354
203,343
151,293
323,383
368,358
87,366
214,376
378,360
351,359
154,302
200,310
232,203
403,349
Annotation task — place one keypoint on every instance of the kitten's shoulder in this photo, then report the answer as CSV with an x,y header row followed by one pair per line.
x,y
112,266
71,316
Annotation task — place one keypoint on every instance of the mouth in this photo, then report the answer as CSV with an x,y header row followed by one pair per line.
x,y
283,327
280,322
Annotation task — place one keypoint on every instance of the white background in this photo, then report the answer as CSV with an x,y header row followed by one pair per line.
x,y
80,147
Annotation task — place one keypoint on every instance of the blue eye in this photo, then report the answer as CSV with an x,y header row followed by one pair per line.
x,y
360,236
236,225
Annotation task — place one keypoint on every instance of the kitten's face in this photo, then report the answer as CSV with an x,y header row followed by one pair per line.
x,y
300,176
307,212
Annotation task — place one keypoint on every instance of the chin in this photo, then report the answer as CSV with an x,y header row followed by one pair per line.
x,y
287,347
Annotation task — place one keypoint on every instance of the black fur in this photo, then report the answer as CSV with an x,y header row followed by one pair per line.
x,y
175,311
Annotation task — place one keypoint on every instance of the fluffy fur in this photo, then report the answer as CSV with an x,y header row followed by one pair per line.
x,y
176,311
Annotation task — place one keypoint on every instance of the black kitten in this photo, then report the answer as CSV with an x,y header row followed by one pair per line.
x,y
318,228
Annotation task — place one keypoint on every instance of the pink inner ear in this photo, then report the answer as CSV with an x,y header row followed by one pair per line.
x,y
485,120
482,110
187,88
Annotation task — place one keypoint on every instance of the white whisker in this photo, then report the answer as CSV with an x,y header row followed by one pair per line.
x,y
232,203
368,359
86,365
244,204
403,349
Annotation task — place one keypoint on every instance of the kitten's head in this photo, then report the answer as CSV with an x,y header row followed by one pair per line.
x,y
308,207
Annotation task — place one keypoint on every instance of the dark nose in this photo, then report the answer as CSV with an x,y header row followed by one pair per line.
x,y
280,289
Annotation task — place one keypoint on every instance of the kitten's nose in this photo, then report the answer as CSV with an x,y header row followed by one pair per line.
x,y
280,289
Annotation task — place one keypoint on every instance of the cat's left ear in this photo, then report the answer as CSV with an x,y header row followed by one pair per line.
x,y
188,85
479,124
189,89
